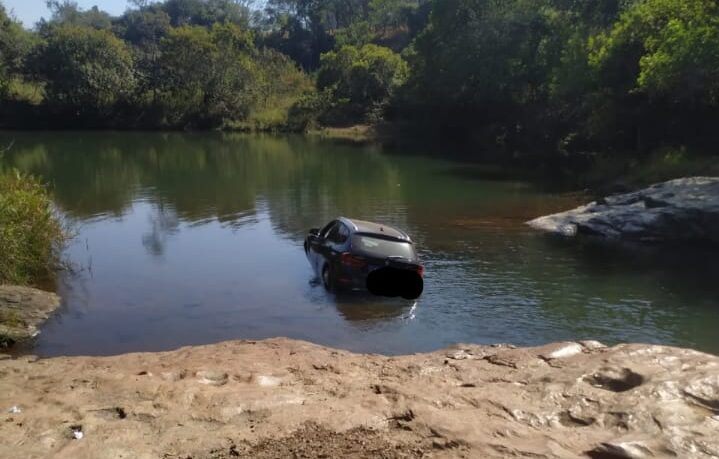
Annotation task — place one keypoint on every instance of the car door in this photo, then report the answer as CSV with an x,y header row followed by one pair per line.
x,y
329,246
337,242
318,246
340,240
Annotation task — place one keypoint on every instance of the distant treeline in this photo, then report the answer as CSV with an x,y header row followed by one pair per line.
x,y
509,76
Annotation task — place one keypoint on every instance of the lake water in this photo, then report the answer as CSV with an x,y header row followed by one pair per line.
x,y
185,239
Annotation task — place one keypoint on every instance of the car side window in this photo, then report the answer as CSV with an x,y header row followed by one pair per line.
x,y
339,234
343,234
324,234
333,237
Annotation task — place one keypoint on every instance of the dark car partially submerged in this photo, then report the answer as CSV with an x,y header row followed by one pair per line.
x,y
359,255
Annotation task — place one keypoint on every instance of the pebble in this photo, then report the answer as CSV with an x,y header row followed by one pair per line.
x,y
268,381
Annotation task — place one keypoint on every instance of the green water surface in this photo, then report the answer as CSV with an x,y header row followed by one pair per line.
x,y
197,238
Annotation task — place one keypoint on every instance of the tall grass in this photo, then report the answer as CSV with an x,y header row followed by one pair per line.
x,y
31,236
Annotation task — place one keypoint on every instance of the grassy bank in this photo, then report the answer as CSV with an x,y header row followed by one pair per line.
x,y
360,133
30,234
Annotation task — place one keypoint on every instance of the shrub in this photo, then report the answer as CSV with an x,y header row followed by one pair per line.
x,y
308,110
361,78
30,234
87,70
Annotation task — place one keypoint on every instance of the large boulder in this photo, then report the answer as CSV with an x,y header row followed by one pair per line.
x,y
22,311
682,210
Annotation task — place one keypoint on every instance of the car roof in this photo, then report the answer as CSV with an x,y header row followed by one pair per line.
x,y
378,229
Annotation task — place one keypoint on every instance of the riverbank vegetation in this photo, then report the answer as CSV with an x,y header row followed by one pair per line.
x,y
30,234
555,78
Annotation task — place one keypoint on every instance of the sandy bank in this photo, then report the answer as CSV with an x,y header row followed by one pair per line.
x,y
284,398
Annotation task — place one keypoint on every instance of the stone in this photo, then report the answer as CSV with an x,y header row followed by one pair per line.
x,y
173,376
562,351
592,345
212,377
22,311
459,355
705,391
268,381
628,450
681,210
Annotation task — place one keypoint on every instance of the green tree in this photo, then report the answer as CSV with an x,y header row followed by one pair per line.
x,y
86,70
207,12
392,14
482,67
668,48
362,79
10,54
142,27
68,12
207,75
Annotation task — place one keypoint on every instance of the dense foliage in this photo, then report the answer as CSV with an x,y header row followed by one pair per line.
x,y
30,234
85,69
175,64
563,76
361,79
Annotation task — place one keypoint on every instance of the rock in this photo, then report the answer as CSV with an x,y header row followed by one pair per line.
x,y
592,345
268,381
561,351
212,377
174,375
579,400
628,450
22,311
705,391
459,355
682,210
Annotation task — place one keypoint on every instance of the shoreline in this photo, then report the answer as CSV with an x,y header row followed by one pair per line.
x,y
598,173
280,397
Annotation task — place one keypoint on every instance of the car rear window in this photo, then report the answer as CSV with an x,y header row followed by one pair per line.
x,y
382,248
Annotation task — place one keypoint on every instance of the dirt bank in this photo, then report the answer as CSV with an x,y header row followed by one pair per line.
x,y
283,398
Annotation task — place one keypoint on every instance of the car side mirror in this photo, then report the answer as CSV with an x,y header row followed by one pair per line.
x,y
315,231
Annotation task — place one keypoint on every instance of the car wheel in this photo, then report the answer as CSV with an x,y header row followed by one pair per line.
x,y
328,278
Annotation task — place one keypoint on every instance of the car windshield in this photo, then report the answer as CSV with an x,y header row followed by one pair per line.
x,y
382,248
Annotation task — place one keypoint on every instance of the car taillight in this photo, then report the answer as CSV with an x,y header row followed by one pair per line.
x,y
420,270
349,260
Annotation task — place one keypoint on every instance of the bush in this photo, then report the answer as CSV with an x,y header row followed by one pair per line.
x,y
361,78
87,70
309,110
30,234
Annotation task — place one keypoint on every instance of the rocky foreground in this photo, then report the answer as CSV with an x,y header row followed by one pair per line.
x,y
283,398
682,210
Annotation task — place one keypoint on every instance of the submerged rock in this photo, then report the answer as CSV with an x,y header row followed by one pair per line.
x,y
22,311
682,210
565,400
